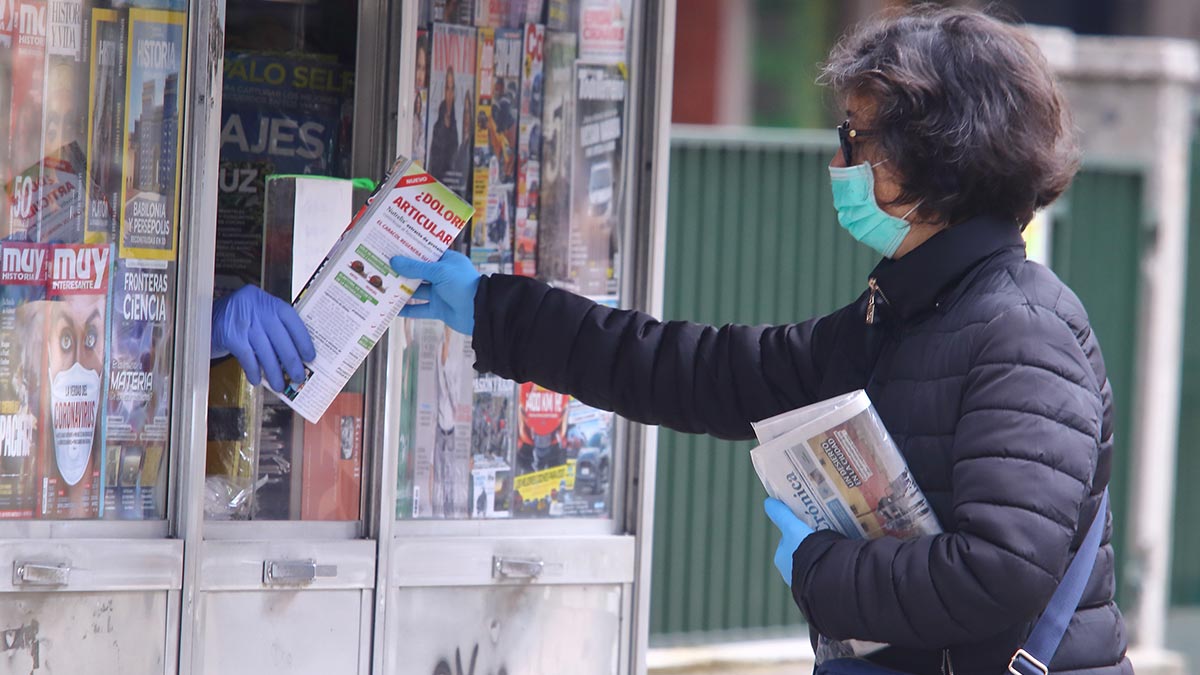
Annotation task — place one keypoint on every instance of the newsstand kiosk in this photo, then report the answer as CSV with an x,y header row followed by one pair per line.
x,y
158,514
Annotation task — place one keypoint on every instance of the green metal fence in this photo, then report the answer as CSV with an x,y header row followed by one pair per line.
x,y
753,238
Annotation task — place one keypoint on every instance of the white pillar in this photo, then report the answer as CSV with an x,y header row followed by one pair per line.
x,y
1132,100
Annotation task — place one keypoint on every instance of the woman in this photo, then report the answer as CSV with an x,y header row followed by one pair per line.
x,y
981,364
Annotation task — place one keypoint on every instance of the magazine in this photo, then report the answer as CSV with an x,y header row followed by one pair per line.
x,y
106,120
836,467
24,188
442,437
497,83
492,433
529,156
597,178
8,23
421,100
558,15
354,295
22,291
137,404
153,116
453,11
452,109
557,122
66,91
602,30
72,326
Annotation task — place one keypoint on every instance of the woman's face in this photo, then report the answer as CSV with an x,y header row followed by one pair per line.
x,y
860,110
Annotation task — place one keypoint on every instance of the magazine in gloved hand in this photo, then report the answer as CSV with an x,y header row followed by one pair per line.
x,y
835,465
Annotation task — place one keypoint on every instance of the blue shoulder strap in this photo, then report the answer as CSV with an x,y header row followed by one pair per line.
x,y
1043,641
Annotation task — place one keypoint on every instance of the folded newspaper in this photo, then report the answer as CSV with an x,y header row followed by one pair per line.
x,y
354,295
835,465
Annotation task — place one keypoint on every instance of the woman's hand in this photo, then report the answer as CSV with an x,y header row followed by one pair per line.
x,y
263,333
448,295
793,530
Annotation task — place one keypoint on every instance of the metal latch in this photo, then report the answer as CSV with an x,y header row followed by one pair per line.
x,y
516,568
287,572
41,574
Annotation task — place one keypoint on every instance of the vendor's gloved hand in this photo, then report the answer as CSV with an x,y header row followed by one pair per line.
x,y
794,531
449,295
262,332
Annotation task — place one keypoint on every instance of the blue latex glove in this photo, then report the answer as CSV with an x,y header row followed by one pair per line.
x,y
263,333
793,530
450,294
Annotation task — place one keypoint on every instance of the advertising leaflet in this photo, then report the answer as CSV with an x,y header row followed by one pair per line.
x,y
836,467
8,23
452,108
498,83
355,295
22,292
602,27
529,156
280,114
557,124
421,100
24,188
596,194
106,120
153,116
72,327
442,452
492,433
137,406
453,11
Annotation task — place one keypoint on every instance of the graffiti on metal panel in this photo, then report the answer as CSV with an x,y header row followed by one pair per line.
x,y
443,665
25,637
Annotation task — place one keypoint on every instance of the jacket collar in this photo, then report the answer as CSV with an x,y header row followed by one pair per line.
x,y
917,281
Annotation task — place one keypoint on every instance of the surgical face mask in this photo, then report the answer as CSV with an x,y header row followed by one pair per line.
x,y
74,397
859,213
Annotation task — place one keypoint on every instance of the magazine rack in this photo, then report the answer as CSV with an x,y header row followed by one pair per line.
x,y
176,568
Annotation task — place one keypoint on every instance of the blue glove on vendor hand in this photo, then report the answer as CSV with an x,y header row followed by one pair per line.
x,y
793,530
263,333
449,295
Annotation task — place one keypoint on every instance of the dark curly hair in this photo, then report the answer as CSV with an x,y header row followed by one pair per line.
x,y
967,112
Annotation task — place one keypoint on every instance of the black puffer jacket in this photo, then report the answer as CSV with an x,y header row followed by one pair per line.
x,y
985,370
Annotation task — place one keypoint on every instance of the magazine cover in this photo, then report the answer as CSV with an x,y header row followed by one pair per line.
x,y
137,410
491,13
149,205
72,327
25,120
529,156
232,442
286,124
452,108
23,269
559,16
8,22
421,99
589,461
557,122
453,11
498,84
492,434
442,454
540,483
602,30
106,120
66,104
